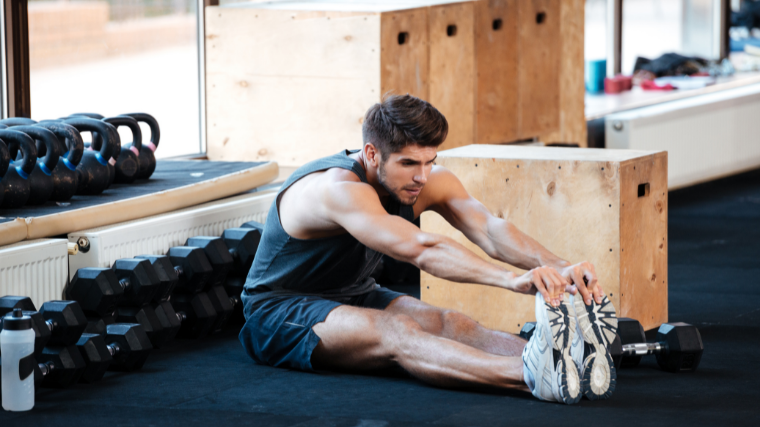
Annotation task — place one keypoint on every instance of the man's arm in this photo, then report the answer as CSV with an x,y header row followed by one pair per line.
x,y
357,208
499,238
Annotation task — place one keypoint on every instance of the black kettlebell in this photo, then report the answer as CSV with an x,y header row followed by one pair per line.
x,y
127,164
48,152
147,157
5,161
92,172
65,179
17,121
96,143
16,179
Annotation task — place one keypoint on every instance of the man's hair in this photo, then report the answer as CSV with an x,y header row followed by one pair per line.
x,y
401,120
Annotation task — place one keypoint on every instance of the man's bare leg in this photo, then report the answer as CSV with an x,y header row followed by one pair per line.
x,y
362,339
458,327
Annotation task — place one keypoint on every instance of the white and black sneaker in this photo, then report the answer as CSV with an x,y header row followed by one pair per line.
x,y
597,327
548,367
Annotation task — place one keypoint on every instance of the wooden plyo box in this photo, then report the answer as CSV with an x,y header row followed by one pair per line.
x,y
291,81
529,71
608,207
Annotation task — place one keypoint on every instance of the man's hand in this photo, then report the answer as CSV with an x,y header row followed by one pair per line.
x,y
545,280
583,277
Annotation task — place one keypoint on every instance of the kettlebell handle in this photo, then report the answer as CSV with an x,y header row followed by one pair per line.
x,y
101,128
133,126
74,144
19,141
52,149
155,131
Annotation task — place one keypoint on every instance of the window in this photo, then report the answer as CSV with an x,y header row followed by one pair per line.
x,y
118,56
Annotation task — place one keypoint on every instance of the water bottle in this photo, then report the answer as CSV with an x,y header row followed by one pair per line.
x,y
17,349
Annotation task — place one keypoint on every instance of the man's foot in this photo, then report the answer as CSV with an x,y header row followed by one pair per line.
x,y
549,370
597,326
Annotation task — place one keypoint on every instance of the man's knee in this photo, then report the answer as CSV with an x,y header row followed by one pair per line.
x,y
455,322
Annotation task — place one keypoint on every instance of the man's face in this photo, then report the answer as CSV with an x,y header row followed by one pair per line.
x,y
404,173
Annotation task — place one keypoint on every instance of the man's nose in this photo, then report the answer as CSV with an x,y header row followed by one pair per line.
x,y
420,177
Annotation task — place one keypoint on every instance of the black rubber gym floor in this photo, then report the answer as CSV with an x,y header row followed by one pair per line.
x,y
714,271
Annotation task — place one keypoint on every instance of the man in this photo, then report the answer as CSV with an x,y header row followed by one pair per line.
x,y
310,302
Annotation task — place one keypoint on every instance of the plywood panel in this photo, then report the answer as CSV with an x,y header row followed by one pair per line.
x,y
644,239
572,119
288,86
404,52
570,206
539,72
452,67
497,59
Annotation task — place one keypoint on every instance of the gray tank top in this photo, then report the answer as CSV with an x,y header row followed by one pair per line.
x,y
336,266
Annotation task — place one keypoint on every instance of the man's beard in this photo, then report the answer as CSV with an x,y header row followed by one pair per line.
x,y
393,192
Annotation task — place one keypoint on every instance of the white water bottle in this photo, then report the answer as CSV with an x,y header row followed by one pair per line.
x,y
17,349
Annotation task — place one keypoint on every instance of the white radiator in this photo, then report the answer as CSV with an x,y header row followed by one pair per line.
x,y
155,235
36,268
706,136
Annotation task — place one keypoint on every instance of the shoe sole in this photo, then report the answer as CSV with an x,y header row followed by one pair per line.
x,y
598,326
561,327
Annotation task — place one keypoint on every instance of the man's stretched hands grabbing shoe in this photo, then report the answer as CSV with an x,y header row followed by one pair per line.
x,y
553,282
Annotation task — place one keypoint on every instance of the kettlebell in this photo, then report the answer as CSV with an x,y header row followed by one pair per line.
x,y
16,179
48,153
17,121
147,157
92,171
65,179
5,161
127,163
96,143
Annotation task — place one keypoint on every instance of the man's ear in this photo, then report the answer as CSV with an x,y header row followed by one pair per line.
x,y
372,154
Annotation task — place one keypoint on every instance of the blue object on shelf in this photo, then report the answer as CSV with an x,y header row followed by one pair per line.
x,y
596,71
738,45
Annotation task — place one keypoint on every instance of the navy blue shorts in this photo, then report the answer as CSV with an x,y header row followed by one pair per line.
x,y
278,330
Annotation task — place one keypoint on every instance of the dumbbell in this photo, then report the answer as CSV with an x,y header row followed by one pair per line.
x,y
57,323
123,347
678,347
233,252
62,368
120,295
190,313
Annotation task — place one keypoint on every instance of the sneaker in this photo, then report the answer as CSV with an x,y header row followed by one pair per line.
x,y
597,326
549,370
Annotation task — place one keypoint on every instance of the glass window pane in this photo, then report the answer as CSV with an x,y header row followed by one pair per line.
x,y
650,28
596,29
118,56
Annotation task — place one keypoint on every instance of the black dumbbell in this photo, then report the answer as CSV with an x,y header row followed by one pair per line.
x,y
59,366
195,315
192,266
9,302
62,317
243,243
123,347
678,347
119,295
196,312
